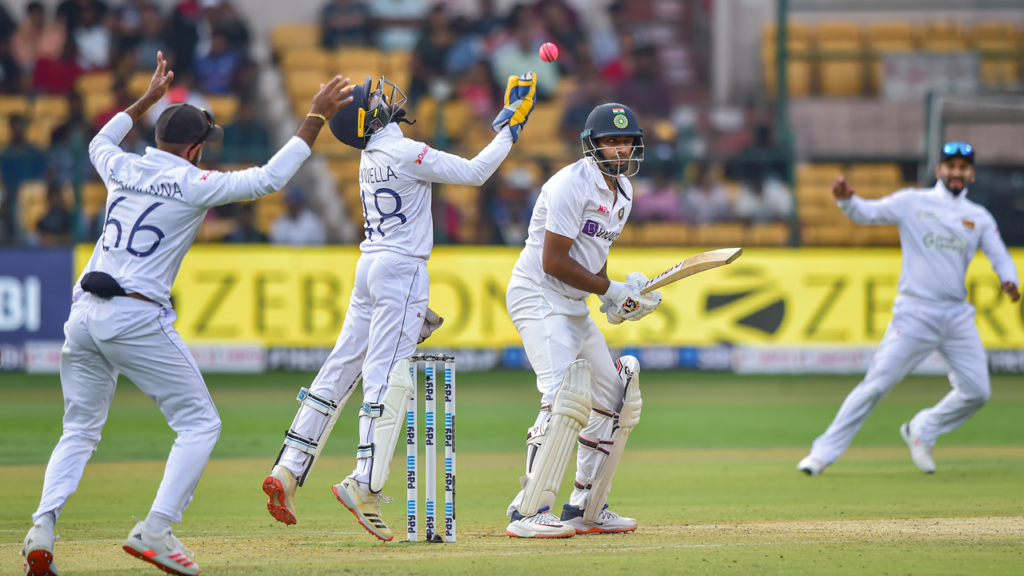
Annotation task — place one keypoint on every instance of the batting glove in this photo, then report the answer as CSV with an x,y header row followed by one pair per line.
x,y
623,300
520,95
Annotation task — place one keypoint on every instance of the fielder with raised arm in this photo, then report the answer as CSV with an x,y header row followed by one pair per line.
x,y
587,397
122,321
387,314
940,232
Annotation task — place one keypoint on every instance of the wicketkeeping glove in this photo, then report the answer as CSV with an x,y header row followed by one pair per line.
x,y
623,300
520,95
431,322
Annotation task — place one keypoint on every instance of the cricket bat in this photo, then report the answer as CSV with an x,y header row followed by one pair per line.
x,y
691,266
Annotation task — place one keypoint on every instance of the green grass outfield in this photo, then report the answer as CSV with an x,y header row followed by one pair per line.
x,y
709,473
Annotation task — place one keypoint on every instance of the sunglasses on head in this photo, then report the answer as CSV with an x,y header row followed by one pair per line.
x,y
957,148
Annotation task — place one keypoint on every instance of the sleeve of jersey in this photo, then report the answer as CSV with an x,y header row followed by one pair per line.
x,y
886,210
995,250
212,188
425,163
106,145
565,211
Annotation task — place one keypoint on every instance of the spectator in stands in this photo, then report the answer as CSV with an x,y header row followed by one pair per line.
x,y
561,24
228,20
128,23
298,226
69,145
346,23
7,24
478,90
656,198
761,159
183,90
152,39
581,102
512,206
467,47
215,72
429,58
93,38
57,76
520,53
487,21
70,11
246,140
645,89
399,22
19,162
246,233
767,200
707,201
10,71
25,43
122,100
55,226
605,42
182,37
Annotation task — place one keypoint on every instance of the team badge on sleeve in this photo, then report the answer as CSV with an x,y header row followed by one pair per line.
x,y
968,224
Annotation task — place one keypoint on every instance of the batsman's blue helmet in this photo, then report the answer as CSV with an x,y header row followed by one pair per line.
x,y
613,120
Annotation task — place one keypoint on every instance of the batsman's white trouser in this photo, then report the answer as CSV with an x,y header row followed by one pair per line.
x,y
382,325
557,331
137,339
917,328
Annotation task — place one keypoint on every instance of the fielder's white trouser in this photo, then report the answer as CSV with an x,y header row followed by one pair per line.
x,y
556,331
918,327
137,339
382,325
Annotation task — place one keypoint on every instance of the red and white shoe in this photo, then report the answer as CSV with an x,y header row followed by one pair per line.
x,y
162,550
38,552
280,488
608,522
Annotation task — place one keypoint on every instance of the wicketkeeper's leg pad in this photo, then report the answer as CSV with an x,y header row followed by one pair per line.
x,y
321,415
623,423
569,414
389,424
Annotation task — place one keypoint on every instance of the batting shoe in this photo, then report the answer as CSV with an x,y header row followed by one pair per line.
x,y
366,507
280,488
38,552
543,524
162,550
919,453
811,466
608,522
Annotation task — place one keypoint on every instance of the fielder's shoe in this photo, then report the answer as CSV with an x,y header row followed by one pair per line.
x,y
811,466
608,522
38,552
280,487
919,453
162,550
543,524
366,506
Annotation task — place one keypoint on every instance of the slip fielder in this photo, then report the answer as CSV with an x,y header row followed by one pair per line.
x,y
122,321
940,232
388,312
587,397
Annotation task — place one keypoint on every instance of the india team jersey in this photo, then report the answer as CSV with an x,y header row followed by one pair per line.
x,y
395,176
576,203
939,236
156,203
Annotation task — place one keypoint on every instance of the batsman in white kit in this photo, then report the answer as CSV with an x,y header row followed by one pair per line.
x,y
940,232
587,397
387,314
121,321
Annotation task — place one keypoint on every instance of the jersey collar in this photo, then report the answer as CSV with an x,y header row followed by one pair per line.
x,y
597,178
165,156
389,131
940,187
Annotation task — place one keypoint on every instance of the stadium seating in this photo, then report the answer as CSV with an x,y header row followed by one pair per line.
x,y
943,37
842,77
766,235
719,235
288,36
12,105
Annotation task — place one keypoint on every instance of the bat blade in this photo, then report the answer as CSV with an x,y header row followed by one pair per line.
x,y
691,266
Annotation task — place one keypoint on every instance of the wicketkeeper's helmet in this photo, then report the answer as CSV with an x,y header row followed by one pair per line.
x,y
613,120
369,112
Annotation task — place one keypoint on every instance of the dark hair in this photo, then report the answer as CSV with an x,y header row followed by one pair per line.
x,y
35,7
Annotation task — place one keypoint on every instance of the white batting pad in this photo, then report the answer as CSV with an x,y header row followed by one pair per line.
x,y
390,422
569,414
629,415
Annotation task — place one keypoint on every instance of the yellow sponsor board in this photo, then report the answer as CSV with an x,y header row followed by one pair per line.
x,y
298,297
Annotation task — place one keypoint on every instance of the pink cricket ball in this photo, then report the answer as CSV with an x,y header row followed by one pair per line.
x,y
549,52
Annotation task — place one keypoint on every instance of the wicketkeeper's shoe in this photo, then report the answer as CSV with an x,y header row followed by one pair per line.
x,y
38,552
366,507
162,550
607,522
811,466
280,487
919,453
543,524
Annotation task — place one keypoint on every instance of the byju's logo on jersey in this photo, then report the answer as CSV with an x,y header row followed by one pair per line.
x,y
591,228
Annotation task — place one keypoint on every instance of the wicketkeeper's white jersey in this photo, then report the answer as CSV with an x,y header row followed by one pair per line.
x,y
939,235
395,176
576,203
156,203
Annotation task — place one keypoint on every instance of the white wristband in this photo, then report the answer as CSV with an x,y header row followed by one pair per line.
x,y
614,291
